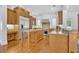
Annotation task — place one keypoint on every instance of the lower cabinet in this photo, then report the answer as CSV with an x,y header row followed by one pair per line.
x,y
53,43
35,38
58,43
73,42
11,36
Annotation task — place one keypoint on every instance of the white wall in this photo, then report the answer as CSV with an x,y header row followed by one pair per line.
x,y
3,29
66,15
70,15
48,17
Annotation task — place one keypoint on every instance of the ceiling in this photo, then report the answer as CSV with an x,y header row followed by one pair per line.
x,y
37,10
41,10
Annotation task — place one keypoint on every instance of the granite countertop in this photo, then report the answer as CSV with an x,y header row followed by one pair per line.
x,y
10,31
63,33
31,30
58,33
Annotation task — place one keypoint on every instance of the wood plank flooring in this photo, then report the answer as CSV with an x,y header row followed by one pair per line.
x,y
22,46
18,46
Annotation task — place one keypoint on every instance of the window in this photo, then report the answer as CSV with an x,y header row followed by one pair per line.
x,y
38,24
68,22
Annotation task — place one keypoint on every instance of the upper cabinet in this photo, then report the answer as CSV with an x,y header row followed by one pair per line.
x,y
33,20
21,12
60,17
11,17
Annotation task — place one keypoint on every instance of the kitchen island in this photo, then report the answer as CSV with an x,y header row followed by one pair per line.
x,y
63,43
58,43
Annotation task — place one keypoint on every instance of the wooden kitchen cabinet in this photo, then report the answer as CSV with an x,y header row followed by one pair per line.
x,y
11,17
21,12
35,35
11,35
58,43
35,38
44,44
60,17
73,41
32,21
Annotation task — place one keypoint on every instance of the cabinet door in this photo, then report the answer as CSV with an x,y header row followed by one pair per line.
x,y
62,43
72,42
11,17
58,43
52,43
60,17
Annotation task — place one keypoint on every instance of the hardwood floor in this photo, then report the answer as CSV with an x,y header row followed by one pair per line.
x,y
42,46
17,46
3,49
